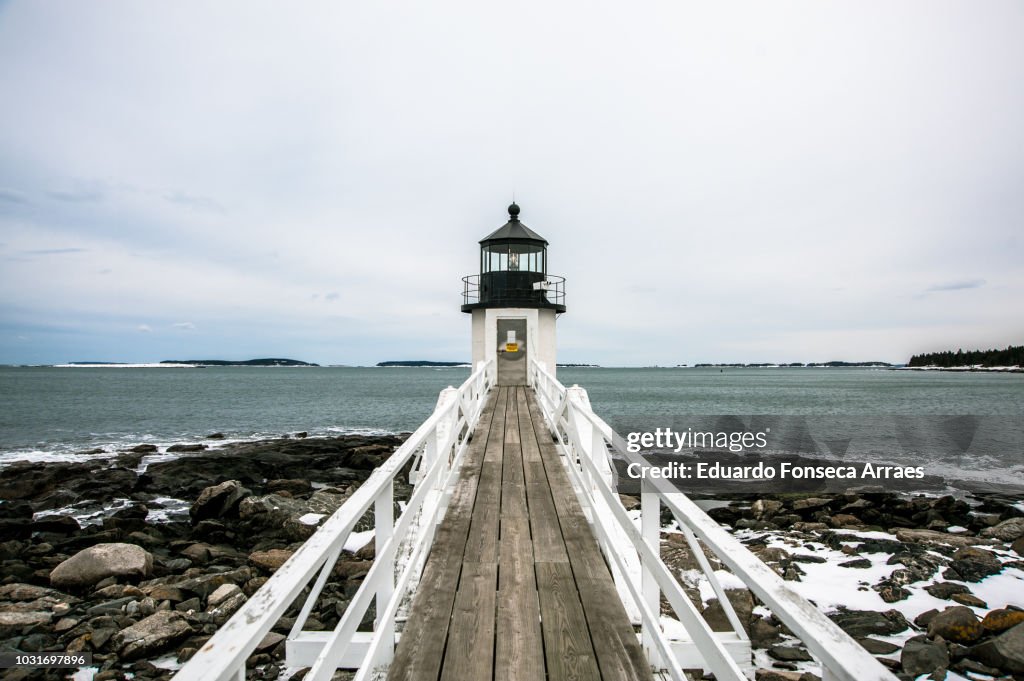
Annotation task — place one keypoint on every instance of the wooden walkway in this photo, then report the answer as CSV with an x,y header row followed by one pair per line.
x,y
515,587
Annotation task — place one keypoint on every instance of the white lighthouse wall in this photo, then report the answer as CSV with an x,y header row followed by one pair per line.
x,y
540,334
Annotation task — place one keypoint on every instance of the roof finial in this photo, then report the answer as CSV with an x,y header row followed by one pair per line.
x,y
513,210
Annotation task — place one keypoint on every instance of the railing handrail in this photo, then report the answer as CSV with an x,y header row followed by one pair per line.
x,y
840,655
224,655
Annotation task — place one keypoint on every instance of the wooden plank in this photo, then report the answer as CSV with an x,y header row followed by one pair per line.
x,y
619,654
519,648
470,650
527,432
568,651
482,543
421,648
547,536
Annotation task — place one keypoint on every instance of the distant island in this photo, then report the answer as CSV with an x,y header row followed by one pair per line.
x,y
420,363
799,364
267,362
1012,356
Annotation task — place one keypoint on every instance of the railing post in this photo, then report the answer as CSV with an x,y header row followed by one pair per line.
x,y
650,530
384,527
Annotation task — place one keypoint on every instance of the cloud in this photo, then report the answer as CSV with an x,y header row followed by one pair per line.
x,y
202,203
184,326
865,174
53,251
75,195
145,328
957,285
9,195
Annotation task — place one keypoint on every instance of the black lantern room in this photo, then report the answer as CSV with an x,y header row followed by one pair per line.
x,y
513,271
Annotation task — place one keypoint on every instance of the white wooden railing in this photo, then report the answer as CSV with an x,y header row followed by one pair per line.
x,y
587,444
436,450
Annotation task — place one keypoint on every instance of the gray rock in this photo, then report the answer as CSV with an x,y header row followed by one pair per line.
x,y
876,647
946,590
1005,652
763,633
973,564
998,621
227,607
152,635
969,599
221,594
810,503
958,624
269,641
217,501
278,512
1018,546
913,536
857,563
1008,530
742,602
921,656
789,654
31,592
866,622
765,508
773,554
186,448
11,623
91,565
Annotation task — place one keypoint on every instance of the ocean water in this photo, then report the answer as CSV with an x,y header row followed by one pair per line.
x,y
57,413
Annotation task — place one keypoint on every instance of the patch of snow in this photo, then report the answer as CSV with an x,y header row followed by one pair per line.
x,y
956,529
357,540
85,673
727,579
673,628
167,662
1005,588
312,519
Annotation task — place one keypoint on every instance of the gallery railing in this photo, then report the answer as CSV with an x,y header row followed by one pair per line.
x,y
435,450
633,552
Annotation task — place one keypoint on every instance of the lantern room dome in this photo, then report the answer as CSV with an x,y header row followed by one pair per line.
x,y
513,231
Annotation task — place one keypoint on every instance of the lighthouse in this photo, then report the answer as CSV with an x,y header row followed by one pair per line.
x,y
514,302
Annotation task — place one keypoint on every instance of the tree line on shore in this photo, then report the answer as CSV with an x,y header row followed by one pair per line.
x,y
1013,355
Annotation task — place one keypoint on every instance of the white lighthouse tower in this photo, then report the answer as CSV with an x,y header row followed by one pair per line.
x,y
514,302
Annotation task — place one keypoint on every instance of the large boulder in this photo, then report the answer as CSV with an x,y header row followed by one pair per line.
x,y
98,562
270,560
973,564
297,519
921,656
1005,652
1008,530
12,623
859,623
217,501
958,624
152,635
742,602
998,621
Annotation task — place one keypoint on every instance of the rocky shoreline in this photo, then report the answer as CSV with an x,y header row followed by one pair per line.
x,y
933,586
140,569
138,560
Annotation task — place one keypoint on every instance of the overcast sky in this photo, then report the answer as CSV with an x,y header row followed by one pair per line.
x,y
718,181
